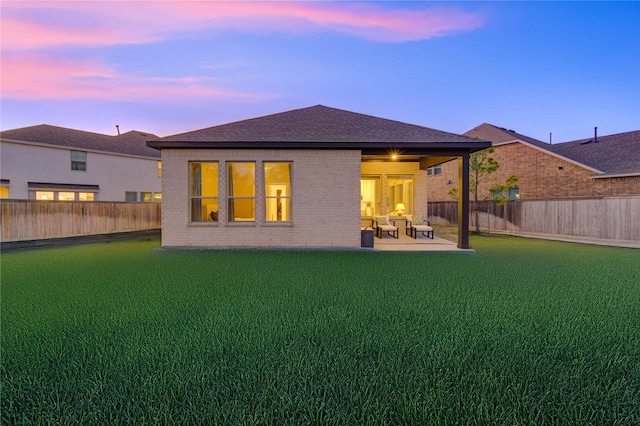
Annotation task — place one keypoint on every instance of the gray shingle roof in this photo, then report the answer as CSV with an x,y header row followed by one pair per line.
x,y
130,143
315,127
613,154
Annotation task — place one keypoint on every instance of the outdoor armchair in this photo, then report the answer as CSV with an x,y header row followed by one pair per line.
x,y
417,224
383,224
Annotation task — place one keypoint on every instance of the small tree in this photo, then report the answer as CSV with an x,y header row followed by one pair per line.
x,y
481,165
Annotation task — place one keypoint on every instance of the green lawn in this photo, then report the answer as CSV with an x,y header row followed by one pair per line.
x,y
525,332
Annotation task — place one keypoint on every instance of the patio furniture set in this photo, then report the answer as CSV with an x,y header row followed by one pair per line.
x,y
415,225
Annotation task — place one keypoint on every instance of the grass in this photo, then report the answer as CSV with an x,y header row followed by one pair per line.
x,y
526,332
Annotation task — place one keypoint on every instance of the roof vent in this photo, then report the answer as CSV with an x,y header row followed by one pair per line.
x,y
118,129
595,134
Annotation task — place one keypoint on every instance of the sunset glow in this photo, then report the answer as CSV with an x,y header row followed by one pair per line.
x,y
447,65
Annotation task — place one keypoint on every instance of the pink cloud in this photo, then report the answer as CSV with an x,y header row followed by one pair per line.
x,y
115,22
36,77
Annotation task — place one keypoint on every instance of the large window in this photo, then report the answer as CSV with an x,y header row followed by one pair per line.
x,y
63,195
370,196
241,178
277,191
79,160
400,195
204,192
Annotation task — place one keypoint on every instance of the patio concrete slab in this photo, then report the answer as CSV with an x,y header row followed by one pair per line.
x,y
406,243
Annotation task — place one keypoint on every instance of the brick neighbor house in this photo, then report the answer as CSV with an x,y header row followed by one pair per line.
x,y
593,167
310,177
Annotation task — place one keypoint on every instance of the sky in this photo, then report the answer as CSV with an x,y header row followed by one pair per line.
x,y
548,70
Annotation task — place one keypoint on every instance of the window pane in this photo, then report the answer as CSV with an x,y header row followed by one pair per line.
x,y
4,192
277,177
399,193
131,196
242,209
66,196
514,193
242,179
157,196
204,179
145,196
86,196
204,209
370,196
44,195
278,208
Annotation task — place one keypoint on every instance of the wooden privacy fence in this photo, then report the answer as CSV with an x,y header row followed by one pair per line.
x,y
30,219
605,218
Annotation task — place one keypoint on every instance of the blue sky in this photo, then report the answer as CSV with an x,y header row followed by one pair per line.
x,y
168,67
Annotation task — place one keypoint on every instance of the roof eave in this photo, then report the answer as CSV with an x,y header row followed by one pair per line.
x,y
365,147
615,175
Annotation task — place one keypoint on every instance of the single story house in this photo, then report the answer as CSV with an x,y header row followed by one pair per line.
x,y
47,162
311,177
598,166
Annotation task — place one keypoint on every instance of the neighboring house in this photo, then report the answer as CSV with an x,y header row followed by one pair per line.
x,y
598,166
310,177
54,163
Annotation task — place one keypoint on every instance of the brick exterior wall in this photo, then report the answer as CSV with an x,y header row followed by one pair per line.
x,y
325,201
540,175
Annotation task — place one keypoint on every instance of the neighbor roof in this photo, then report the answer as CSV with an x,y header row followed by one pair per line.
x,y
318,127
131,143
500,135
612,155
617,154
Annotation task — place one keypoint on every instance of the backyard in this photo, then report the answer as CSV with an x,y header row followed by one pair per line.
x,y
523,332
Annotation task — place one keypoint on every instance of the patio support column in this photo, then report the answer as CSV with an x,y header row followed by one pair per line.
x,y
463,201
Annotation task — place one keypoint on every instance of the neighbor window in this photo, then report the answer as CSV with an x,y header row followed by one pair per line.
x,y
79,160
159,168
400,195
204,192
130,196
66,196
434,170
44,195
370,196
512,193
157,197
63,195
241,178
86,196
4,192
277,191
145,196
